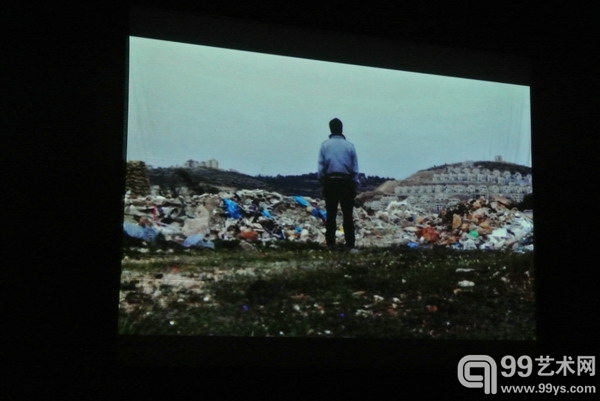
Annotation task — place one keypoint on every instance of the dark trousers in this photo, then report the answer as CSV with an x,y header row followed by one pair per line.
x,y
339,192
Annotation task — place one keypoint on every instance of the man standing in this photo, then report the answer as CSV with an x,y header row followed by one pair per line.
x,y
338,174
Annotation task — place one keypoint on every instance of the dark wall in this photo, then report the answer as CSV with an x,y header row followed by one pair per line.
x,y
63,165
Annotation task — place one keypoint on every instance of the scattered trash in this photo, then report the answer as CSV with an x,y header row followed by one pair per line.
x,y
198,240
313,210
251,216
233,208
140,231
363,313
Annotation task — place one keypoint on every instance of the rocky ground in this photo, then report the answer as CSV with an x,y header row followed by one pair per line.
x,y
284,290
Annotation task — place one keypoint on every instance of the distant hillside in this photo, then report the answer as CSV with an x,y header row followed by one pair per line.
x,y
308,184
490,165
305,184
208,180
424,176
200,180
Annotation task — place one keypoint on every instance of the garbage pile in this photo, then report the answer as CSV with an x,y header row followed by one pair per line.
x,y
251,216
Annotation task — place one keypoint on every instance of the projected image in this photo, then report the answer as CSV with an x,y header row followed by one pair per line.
x,y
227,229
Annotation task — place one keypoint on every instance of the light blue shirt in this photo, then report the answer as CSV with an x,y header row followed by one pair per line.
x,y
337,155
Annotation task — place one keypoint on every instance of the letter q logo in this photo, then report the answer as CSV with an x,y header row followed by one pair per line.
x,y
488,381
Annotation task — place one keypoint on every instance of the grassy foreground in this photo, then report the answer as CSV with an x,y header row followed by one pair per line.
x,y
301,290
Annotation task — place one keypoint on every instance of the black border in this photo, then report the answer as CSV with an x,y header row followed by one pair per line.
x,y
63,162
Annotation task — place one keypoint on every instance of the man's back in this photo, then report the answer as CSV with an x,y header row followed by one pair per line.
x,y
337,155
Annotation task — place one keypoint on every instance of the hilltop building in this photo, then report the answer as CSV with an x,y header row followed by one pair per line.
x,y
211,163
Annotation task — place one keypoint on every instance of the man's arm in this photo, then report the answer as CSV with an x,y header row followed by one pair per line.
x,y
355,167
321,168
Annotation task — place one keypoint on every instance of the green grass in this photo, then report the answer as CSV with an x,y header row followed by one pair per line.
x,y
300,290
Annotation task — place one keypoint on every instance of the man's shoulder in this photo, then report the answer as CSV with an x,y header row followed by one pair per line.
x,y
337,143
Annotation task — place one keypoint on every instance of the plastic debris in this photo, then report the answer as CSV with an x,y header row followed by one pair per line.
x,y
259,215
301,201
233,208
198,240
140,232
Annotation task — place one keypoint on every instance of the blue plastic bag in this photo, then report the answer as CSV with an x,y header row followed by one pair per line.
x,y
198,240
144,233
233,209
319,213
315,211
301,201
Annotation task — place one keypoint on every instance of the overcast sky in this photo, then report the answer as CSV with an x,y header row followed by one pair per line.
x,y
266,114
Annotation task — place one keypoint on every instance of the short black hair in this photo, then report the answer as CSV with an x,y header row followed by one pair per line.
x,y
336,126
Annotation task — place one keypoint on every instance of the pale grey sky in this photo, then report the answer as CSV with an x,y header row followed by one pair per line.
x,y
267,114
